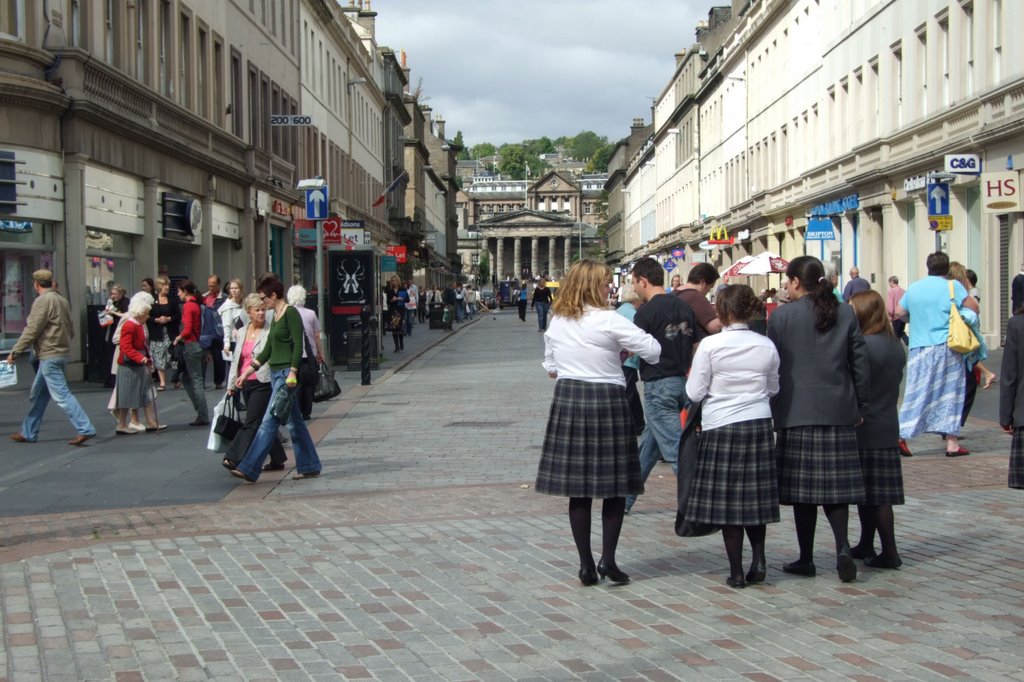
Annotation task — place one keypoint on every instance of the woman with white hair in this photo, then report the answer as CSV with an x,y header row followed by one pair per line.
x,y
296,298
134,386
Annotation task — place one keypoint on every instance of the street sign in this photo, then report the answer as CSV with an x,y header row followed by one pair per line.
x,y
820,229
286,120
940,223
938,198
332,231
670,265
963,164
316,203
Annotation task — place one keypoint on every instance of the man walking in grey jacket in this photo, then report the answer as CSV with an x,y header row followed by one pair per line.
x,y
48,331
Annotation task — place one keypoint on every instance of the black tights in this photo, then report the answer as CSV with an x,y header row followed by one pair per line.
x,y
805,517
613,510
880,517
733,537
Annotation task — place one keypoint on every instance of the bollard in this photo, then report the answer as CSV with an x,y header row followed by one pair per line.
x,y
364,317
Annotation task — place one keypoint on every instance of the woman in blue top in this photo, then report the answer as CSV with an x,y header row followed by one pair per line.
x,y
524,294
934,396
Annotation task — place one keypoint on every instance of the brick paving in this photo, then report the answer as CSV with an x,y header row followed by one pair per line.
x,y
422,553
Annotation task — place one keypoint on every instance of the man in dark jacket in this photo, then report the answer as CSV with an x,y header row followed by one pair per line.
x,y
448,298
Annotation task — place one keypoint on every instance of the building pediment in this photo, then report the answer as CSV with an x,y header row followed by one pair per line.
x,y
554,181
526,218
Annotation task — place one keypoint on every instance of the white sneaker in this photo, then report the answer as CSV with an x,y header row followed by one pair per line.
x,y
137,427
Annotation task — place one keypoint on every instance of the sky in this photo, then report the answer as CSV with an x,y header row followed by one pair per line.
x,y
509,70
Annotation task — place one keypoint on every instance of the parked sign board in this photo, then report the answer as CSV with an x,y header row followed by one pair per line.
x,y
963,164
1000,192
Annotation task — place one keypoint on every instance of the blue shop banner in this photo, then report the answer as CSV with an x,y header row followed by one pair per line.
x,y
820,229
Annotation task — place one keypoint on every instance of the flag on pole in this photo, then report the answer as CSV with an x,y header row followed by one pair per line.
x,y
402,177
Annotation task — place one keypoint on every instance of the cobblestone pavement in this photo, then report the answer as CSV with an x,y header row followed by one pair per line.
x,y
423,553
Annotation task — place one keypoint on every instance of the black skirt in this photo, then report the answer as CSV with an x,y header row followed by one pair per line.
x,y
735,483
590,443
883,476
819,465
1017,459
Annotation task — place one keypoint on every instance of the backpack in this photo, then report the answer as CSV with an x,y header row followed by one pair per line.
x,y
211,328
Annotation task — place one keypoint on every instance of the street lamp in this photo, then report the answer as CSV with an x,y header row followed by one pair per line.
x,y
303,185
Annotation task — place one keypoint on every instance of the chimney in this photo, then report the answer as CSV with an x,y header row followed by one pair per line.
x,y
439,122
638,123
368,20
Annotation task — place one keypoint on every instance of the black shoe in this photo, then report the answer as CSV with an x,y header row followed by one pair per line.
x,y
757,573
199,422
738,583
612,573
845,567
588,576
804,568
859,552
883,561
273,467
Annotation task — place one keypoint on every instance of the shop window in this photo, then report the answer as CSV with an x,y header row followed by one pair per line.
x,y
109,260
17,263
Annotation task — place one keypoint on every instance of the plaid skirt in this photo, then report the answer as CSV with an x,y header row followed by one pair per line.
x,y
133,387
590,443
883,476
734,482
819,465
161,352
1017,459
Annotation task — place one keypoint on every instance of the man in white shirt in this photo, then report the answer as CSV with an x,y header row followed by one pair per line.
x,y
410,307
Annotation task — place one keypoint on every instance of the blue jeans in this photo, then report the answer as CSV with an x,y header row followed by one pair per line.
x,y
410,319
664,399
460,310
542,315
306,459
51,382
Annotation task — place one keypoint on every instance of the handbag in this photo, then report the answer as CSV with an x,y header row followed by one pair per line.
x,y
308,371
326,386
228,424
281,404
688,452
961,337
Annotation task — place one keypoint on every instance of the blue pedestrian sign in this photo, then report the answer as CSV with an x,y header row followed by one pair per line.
x,y
316,203
938,198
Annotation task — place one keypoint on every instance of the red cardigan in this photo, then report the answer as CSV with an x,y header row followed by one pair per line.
x,y
133,343
191,320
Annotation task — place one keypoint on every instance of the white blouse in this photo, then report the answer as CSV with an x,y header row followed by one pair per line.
x,y
588,349
734,373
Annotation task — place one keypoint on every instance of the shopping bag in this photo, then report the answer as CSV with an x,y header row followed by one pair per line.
x,y
216,442
8,374
327,386
228,425
688,451
281,403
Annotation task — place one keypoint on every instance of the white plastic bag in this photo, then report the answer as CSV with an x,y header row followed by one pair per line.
x,y
215,442
8,374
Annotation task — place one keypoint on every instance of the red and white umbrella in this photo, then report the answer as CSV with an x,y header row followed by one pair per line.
x,y
734,269
764,264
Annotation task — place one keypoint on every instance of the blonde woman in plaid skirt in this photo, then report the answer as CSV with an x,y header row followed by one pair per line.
x,y
590,444
735,486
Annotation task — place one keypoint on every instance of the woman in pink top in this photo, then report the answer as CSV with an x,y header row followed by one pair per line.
x,y
248,342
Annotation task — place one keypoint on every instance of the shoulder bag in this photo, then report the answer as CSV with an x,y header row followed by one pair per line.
x,y
961,338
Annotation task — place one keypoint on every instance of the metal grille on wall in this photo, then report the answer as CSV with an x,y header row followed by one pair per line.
x,y
1004,274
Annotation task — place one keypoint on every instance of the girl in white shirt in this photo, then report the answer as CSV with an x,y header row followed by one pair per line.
x,y
735,484
590,444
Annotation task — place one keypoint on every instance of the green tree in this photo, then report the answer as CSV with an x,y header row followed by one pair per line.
x,y
484,268
585,145
598,163
542,145
479,151
513,161
460,144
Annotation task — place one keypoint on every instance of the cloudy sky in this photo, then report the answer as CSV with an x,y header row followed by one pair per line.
x,y
508,70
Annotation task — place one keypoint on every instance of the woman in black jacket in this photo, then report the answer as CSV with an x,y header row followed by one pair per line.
x,y
823,388
879,436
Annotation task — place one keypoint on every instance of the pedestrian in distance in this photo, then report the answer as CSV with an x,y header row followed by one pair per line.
x,y
855,285
1011,395
48,333
973,366
396,296
541,301
823,388
735,484
255,391
447,297
412,305
878,436
521,300
282,353
699,282
981,371
589,448
232,315
631,362
215,298
191,353
134,387
671,321
1017,291
296,297
933,398
892,300
163,322
116,307
127,419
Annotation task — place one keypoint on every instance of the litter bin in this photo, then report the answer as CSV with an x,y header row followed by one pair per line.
x,y
437,316
355,343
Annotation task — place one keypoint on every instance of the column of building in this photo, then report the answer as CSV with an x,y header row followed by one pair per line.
x,y
565,252
551,257
499,258
535,256
517,263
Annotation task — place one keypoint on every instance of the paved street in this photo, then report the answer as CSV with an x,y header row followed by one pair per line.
x,y
423,553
